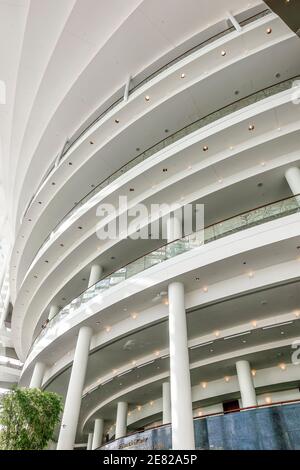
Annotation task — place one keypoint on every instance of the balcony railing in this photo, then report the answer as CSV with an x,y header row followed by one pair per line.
x,y
168,251
237,105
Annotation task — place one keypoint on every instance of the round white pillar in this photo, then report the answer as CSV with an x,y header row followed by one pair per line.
x,y
54,309
166,403
246,384
95,274
181,393
37,375
98,433
174,227
121,422
73,399
292,176
90,441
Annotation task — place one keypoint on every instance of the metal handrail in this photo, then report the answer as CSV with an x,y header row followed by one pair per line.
x,y
295,199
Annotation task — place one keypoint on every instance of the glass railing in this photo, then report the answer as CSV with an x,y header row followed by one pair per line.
x,y
72,141
213,232
231,108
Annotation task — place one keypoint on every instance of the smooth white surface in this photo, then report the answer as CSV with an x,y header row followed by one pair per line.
x,y
98,433
166,389
38,375
247,389
54,309
90,441
95,274
293,178
181,395
121,422
73,400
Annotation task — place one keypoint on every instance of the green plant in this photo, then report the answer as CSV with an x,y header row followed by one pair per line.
x,y
28,418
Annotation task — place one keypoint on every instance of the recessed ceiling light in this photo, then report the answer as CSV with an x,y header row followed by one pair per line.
x,y
35,276
147,98
112,257
117,121
53,183
134,316
254,323
92,185
139,408
220,180
84,279
253,372
203,384
108,329
278,75
282,366
138,149
70,163
259,185
205,289
29,220
250,274
205,148
61,245
227,379
217,333
91,142
79,228
165,170
182,75
251,127
166,131
197,278
40,202
269,30
131,189
223,53
46,261
237,92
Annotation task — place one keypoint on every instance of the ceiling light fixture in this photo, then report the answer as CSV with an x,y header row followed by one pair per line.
x,y
282,366
117,121
227,379
251,127
205,148
253,372
203,384
223,53
217,333
201,345
147,98
269,30
182,75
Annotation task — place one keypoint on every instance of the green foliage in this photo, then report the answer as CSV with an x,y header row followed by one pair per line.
x,y
28,418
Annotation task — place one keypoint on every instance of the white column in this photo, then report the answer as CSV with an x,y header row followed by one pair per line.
x,y
89,442
95,274
37,375
292,176
246,384
73,399
54,309
181,394
166,403
121,422
174,226
98,433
